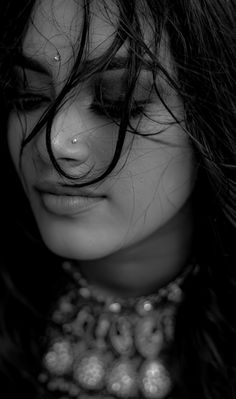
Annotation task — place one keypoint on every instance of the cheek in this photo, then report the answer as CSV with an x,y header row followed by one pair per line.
x,y
179,176
14,136
15,133
160,176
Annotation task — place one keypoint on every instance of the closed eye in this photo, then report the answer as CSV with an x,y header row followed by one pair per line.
x,y
114,109
29,102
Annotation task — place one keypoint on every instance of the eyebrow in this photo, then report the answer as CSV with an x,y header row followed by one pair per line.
x,y
118,62
24,61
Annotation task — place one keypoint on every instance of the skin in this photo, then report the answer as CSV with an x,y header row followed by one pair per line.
x,y
139,236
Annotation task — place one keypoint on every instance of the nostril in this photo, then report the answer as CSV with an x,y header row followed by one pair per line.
x,y
74,168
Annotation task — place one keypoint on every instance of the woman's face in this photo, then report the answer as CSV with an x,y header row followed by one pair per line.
x,y
154,176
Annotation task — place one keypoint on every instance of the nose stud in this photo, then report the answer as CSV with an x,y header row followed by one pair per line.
x,y
57,58
74,141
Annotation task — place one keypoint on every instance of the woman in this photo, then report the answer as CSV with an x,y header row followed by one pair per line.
x,y
118,153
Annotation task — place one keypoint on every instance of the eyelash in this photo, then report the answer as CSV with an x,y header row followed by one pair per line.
x,y
113,109
32,102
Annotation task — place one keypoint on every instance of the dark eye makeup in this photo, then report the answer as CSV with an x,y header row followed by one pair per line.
x,y
107,99
114,109
30,102
27,103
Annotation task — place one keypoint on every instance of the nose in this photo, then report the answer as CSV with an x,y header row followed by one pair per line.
x,y
70,137
69,141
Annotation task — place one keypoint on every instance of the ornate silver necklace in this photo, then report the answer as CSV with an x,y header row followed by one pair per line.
x,y
101,347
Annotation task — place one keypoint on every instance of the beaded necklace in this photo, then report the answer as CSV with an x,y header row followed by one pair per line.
x,y
100,347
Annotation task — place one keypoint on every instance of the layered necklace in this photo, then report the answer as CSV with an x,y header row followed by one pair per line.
x,y
101,347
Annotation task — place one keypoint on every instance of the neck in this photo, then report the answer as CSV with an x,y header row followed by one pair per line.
x,y
146,266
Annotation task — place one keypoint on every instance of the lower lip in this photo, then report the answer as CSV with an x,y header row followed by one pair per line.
x,y
68,204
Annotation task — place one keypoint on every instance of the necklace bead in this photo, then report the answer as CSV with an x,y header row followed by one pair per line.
x,y
115,307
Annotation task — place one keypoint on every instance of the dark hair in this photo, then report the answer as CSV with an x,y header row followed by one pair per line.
x,y
202,42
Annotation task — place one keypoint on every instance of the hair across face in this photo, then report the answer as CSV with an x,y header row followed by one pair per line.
x,y
138,72
154,173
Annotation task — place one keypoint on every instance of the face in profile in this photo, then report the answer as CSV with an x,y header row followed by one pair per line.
x,y
154,176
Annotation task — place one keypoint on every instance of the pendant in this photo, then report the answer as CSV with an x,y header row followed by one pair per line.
x,y
155,381
148,338
121,335
90,371
122,379
59,359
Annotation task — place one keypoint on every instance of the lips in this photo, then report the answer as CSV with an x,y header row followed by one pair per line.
x,y
65,189
61,199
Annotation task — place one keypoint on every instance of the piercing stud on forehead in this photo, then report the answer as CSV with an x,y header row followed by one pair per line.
x,y
74,141
57,57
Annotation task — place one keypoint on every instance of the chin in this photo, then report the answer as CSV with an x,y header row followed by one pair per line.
x,y
70,242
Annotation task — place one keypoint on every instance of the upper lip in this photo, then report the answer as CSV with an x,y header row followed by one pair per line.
x,y
64,189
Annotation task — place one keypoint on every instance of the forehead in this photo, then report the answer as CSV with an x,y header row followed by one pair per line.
x,y
56,25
